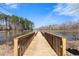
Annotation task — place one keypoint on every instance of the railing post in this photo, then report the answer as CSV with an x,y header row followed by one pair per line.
x,y
15,47
63,46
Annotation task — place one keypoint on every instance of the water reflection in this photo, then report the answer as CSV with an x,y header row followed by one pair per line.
x,y
6,41
69,35
7,36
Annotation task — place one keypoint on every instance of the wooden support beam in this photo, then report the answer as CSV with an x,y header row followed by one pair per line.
x,y
15,47
63,46
21,43
58,43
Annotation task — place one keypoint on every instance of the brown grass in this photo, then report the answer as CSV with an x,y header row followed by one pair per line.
x,y
6,50
72,45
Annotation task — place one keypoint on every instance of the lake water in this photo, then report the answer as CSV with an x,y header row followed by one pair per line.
x,y
69,35
6,37
9,36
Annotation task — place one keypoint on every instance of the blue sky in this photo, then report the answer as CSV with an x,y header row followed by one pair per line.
x,y
43,13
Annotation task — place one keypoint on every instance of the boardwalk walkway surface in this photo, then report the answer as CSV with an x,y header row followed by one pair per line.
x,y
39,47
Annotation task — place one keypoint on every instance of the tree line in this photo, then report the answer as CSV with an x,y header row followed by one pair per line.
x,y
13,22
71,25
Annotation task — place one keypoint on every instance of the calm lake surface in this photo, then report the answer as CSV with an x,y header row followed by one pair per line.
x,y
69,35
9,36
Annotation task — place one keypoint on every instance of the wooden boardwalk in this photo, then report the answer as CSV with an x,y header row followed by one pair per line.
x,y
39,47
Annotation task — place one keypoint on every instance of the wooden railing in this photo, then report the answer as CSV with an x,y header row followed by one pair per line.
x,y
22,42
56,42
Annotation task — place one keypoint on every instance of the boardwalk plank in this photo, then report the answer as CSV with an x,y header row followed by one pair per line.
x,y
39,47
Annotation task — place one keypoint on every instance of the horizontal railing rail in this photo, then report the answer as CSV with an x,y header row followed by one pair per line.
x,y
22,42
56,42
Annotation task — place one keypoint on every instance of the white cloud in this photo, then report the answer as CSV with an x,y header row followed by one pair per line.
x,y
67,9
5,7
63,9
2,10
11,5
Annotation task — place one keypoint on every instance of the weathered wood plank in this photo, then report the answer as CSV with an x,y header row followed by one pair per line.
x,y
58,43
39,47
22,42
